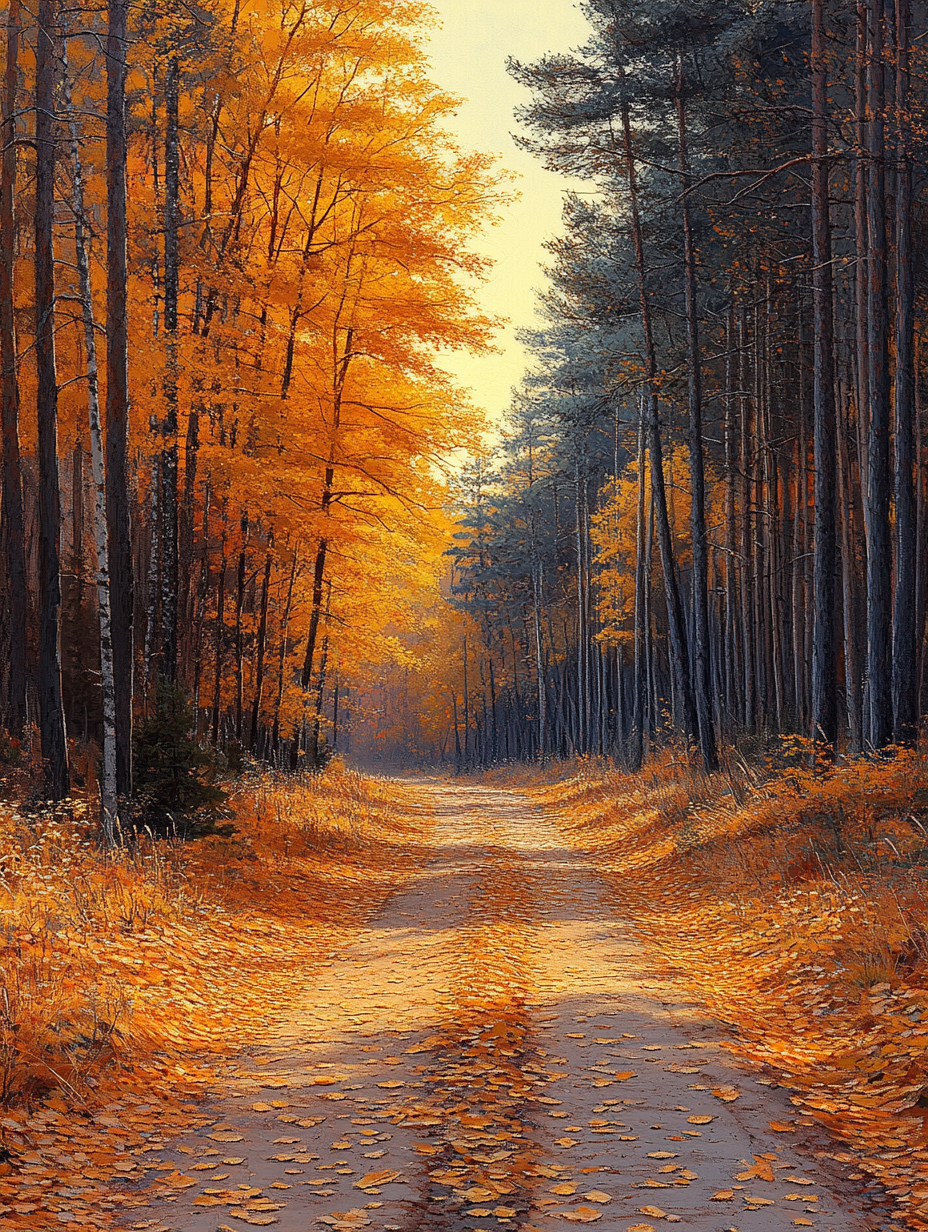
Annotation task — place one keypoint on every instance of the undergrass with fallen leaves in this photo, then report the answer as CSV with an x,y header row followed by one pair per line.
x,y
793,903
130,978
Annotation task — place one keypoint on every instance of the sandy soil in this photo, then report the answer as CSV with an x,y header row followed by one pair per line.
x,y
495,1051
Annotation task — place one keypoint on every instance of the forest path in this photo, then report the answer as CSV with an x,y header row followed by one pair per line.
x,y
492,1051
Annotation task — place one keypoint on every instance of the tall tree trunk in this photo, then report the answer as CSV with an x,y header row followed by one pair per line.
x,y
239,631
14,535
849,603
748,630
679,659
219,639
281,666
315,612
167,471
636,739
824,650
904,686
702,683
541,692
262,643
117,391
51,712
879,550
108,793
185,539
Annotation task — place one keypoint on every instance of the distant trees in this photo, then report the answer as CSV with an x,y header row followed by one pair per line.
x,y
258,216
724,419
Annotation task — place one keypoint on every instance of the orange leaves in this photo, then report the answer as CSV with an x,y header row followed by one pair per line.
x,y
655,1212
817,964
383,1177
207,977
582,1214
761,1169
726,1094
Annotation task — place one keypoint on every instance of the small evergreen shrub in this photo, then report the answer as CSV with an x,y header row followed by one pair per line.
x,y
174,776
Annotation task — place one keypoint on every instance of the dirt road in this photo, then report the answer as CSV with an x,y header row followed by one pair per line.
x,y
493,1051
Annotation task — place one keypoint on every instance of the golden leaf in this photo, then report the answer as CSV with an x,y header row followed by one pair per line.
x,y
727,1094
583,1214
382,1177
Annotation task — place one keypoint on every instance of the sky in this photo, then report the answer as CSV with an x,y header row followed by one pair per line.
x,y
469,54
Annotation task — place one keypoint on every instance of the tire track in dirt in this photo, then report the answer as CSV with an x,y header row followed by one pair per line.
x,y
493,1051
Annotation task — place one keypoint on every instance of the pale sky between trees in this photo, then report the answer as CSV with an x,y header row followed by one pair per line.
x,y
469,54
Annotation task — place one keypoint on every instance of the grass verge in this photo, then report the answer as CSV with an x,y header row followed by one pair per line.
x,y
130,979
794,904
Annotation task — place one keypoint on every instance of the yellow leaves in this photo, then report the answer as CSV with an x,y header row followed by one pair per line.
x,y
760,1169
226,1137
655,1212
624,1075
661,1155
581,1214
803,1223
722,1195
382,1177
597,1195
700,1119
782,1127
565,1188
177,1180
726,1094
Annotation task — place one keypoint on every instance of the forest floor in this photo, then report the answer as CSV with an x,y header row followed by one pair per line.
x,y
450,1006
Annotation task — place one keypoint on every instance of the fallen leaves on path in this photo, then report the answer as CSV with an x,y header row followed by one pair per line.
x,y
131,977
793,906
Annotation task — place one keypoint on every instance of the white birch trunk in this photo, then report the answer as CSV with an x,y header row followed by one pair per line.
x,y
109,823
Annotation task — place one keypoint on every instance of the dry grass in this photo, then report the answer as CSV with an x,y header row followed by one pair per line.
x,y
128,977
794,904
